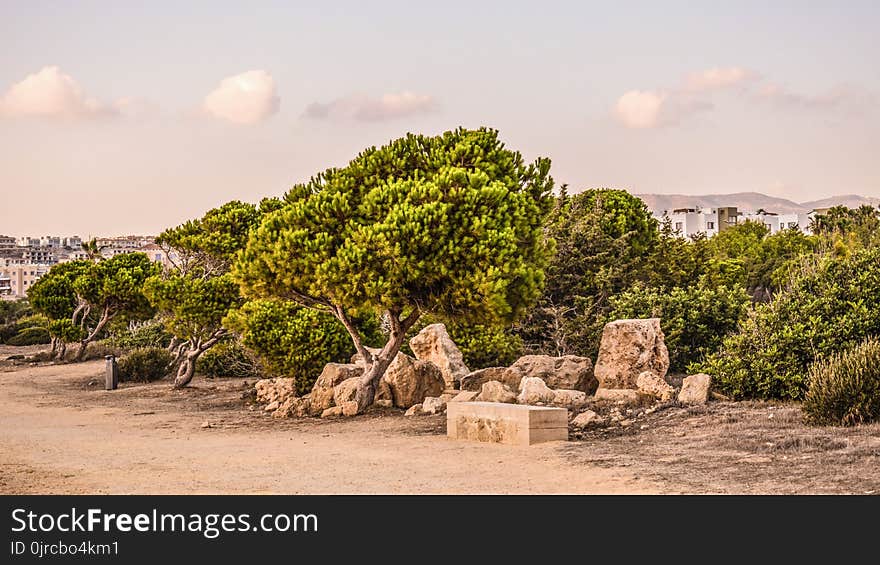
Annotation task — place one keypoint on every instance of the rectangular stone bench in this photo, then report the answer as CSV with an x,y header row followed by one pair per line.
x,y
497,422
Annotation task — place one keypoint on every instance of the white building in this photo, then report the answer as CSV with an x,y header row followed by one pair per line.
x,y
689,222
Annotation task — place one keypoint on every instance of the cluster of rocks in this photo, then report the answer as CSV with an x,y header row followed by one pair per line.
x,y
630,370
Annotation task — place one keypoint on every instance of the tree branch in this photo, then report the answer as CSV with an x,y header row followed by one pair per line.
x,y
340,315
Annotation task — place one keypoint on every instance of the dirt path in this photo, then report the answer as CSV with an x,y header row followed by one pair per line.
x,y
61,434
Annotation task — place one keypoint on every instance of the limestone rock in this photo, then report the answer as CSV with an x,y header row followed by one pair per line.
x,y
585,419
474,381
434,405
332,375
411,380
414,410
350,408
569,372
346,391
384,403
623,395
434,344
464,396
494,391
332,412
695,389
629,348
569,398
295,407
534,391
649,383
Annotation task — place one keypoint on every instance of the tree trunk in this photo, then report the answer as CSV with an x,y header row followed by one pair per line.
x,y
54,343
187,369
60,355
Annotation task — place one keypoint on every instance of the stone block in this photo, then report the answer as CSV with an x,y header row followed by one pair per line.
x,y
496,422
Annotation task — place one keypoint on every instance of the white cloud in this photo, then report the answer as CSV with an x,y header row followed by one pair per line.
x,y
50,93
717,78
365,108
247,98
640,108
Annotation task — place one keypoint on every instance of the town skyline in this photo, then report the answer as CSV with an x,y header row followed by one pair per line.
x,y
113,121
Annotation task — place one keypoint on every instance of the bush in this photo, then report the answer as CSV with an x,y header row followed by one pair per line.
x,y
295,342
827,307
15,327
149,333
845,388
694,320
94,350
30,336
144,365
227,359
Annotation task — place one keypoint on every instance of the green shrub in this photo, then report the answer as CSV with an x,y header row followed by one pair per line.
x,y
30,336
146,364
845,388
827,307
227,359
295,342
15,327
694,320
149,333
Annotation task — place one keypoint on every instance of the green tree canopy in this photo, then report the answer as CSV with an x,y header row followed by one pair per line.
x,y
196,295
449,225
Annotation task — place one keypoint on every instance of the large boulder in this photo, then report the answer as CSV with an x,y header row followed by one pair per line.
x,y
535,391
695,389
333,374
569,372
569,398
494,391
628,349
434,344
346,391
474,381
411,380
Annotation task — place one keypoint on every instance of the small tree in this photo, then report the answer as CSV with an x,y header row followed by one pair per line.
x,y
80,297
449,225
196,295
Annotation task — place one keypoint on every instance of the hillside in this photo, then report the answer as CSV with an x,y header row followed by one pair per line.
x,y
750,201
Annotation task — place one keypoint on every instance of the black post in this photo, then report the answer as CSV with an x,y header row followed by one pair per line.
x,y
111,379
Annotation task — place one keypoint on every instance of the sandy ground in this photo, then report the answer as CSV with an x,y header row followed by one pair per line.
x,y
60,432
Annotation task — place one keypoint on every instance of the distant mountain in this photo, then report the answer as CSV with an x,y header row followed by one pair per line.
x,y
750,201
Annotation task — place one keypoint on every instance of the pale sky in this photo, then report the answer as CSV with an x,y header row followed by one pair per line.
x,y
129,117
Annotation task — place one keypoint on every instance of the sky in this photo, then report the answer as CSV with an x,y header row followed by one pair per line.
x,y
129,117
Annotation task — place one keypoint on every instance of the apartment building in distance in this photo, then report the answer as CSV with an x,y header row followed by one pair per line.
x,y
688,222
15,280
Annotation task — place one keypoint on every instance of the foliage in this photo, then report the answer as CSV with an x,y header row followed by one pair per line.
x,y
694,320
147,333
30,336
828,306
603,238
194,306
863,223
757,255
20,324
228,359
144,364
486,345
844,389
13,310
81,297
293,341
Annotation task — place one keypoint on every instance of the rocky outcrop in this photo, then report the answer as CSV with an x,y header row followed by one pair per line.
x,y
629,348
534,391
650,384
569,372
474,380
434,344
464,396
695,389
494,391
333,374
411,380
622,395
275,390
